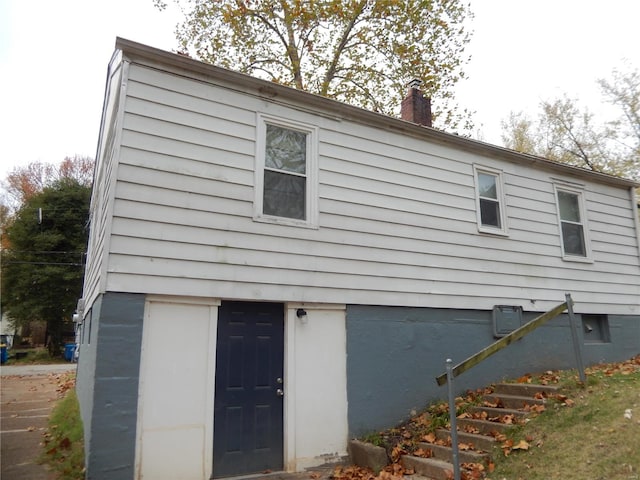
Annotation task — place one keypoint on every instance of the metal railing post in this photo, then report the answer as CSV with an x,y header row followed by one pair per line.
x,y
453,420
577,346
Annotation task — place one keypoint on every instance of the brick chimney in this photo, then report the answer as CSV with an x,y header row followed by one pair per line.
x,y
415,107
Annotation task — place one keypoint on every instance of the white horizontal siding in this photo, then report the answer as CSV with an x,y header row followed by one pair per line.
x,y
397,221
103,185
374,265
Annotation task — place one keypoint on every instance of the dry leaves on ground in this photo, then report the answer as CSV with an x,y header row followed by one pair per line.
x,y
64,381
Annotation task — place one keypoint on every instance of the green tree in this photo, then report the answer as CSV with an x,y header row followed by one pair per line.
x,y
565,133
361,52
42,270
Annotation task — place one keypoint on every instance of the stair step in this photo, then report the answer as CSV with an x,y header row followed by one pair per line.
x,y
432,468
441,452
511,401
484,427
498,412
480,442
524,389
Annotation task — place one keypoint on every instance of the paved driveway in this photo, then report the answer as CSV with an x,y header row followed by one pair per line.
x,y
27,396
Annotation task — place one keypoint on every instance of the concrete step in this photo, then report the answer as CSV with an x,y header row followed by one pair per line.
x,y
431,468
503,400
481,443
481,427
441,452
524,389
497,412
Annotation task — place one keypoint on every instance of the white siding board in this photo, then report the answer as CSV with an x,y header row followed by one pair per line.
x,y
615,255
205,219
532,221
213,167
147,196
390,267
617,208
165,119
434,229
234,187
375,200
610,222
421,171
409,253
268,292
191,94
170,97
156,145
169,268
401,186
187,135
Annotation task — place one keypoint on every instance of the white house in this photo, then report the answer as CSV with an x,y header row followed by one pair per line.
x,y
271,272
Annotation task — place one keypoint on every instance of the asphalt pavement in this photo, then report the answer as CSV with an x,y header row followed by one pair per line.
x,y
27,396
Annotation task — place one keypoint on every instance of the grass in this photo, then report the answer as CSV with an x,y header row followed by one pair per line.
x,y
64,440
590,438
34,356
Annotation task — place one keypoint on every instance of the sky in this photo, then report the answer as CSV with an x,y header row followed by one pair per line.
x,y
54,56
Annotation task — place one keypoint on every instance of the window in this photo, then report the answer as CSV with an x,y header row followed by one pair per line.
x,y
595,328
490,205
575,245
286,173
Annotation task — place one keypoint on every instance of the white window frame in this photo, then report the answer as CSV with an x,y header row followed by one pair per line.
x,y
502,205
579,193
311,172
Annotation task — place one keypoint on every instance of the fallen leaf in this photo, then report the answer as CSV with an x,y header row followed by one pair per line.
x,y
429,437
522,445
423,453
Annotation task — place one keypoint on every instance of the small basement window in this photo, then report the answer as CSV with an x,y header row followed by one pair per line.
x,y
595,329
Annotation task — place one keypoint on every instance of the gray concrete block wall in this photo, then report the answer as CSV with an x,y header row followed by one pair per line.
x,y
111,400
85,376
395,353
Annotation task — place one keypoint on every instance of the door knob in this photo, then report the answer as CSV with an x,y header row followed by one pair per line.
x,y
280,392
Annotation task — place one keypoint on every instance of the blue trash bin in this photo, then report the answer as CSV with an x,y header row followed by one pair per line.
x,y
69,350
3,354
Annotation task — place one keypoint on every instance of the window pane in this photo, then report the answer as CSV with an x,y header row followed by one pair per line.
x,y
569,207
490,213
286,149
487,186
284,195
573,239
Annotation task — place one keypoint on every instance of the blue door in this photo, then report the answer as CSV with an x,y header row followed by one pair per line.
x,y
248,416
